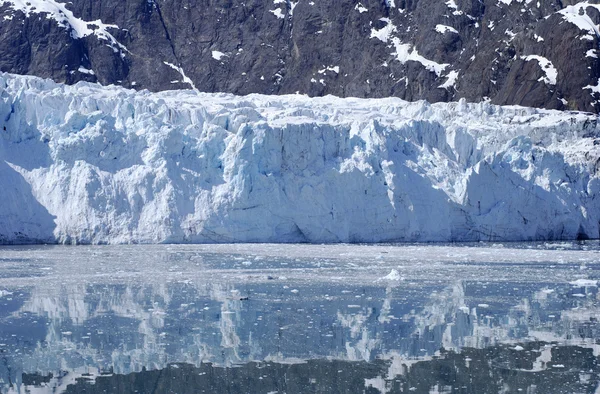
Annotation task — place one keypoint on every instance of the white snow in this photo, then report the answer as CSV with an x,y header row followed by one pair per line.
x,y
385,33
186,79
360,8
217,55
90,164
405,52
451,81
65,18
335,69
547,67
577,15
452,4
84,70
278,13
594,89
444,29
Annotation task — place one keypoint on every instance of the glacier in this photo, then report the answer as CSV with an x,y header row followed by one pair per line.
x,y
102,164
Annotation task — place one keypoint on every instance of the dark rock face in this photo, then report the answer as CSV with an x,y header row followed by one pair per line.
x,y
525,52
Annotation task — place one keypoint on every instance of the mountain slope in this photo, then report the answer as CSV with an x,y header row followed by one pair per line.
x,y
526,52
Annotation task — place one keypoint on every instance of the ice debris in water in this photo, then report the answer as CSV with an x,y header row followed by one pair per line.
x,y
393,275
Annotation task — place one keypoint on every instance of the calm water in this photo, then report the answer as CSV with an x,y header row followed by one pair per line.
x,y
300,319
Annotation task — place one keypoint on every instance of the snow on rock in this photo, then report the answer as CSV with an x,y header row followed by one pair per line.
x,y
405,52
593,88
385,33
84,70
443,29
218,55
65,18
577,15
184,77
360,8
547,67
451,81
278,13
91,164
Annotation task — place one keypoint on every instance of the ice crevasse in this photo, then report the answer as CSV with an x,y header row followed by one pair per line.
x,y
94,164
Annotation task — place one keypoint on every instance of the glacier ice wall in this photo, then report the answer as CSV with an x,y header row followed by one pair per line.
x,y
93,164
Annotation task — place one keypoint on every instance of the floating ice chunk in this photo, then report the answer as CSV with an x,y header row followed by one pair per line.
x,y
393,275
584,283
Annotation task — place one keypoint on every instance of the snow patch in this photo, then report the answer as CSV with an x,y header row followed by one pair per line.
x,y
217,55
594,89
186,79
278,13
451,81
444,29
405,52
360,8
547,67
84,70
577,15
65,18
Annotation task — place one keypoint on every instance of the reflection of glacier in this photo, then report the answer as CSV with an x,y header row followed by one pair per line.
x,y
124,328
454,320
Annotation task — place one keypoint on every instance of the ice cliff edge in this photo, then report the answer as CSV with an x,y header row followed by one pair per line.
x,y
93,164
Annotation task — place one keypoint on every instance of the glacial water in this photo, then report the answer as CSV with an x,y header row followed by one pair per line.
x,y
475,318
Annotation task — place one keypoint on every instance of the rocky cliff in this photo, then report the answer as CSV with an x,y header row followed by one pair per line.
x,y
526,52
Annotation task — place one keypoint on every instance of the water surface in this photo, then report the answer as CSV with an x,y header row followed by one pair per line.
x,y
481,318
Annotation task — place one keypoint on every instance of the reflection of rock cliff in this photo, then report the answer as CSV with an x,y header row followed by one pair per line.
x,y
452,320
474,371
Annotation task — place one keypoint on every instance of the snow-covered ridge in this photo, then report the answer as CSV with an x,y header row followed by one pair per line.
x,y
95,164
65,18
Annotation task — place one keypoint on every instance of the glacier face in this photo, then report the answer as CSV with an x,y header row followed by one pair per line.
x,y
93,164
